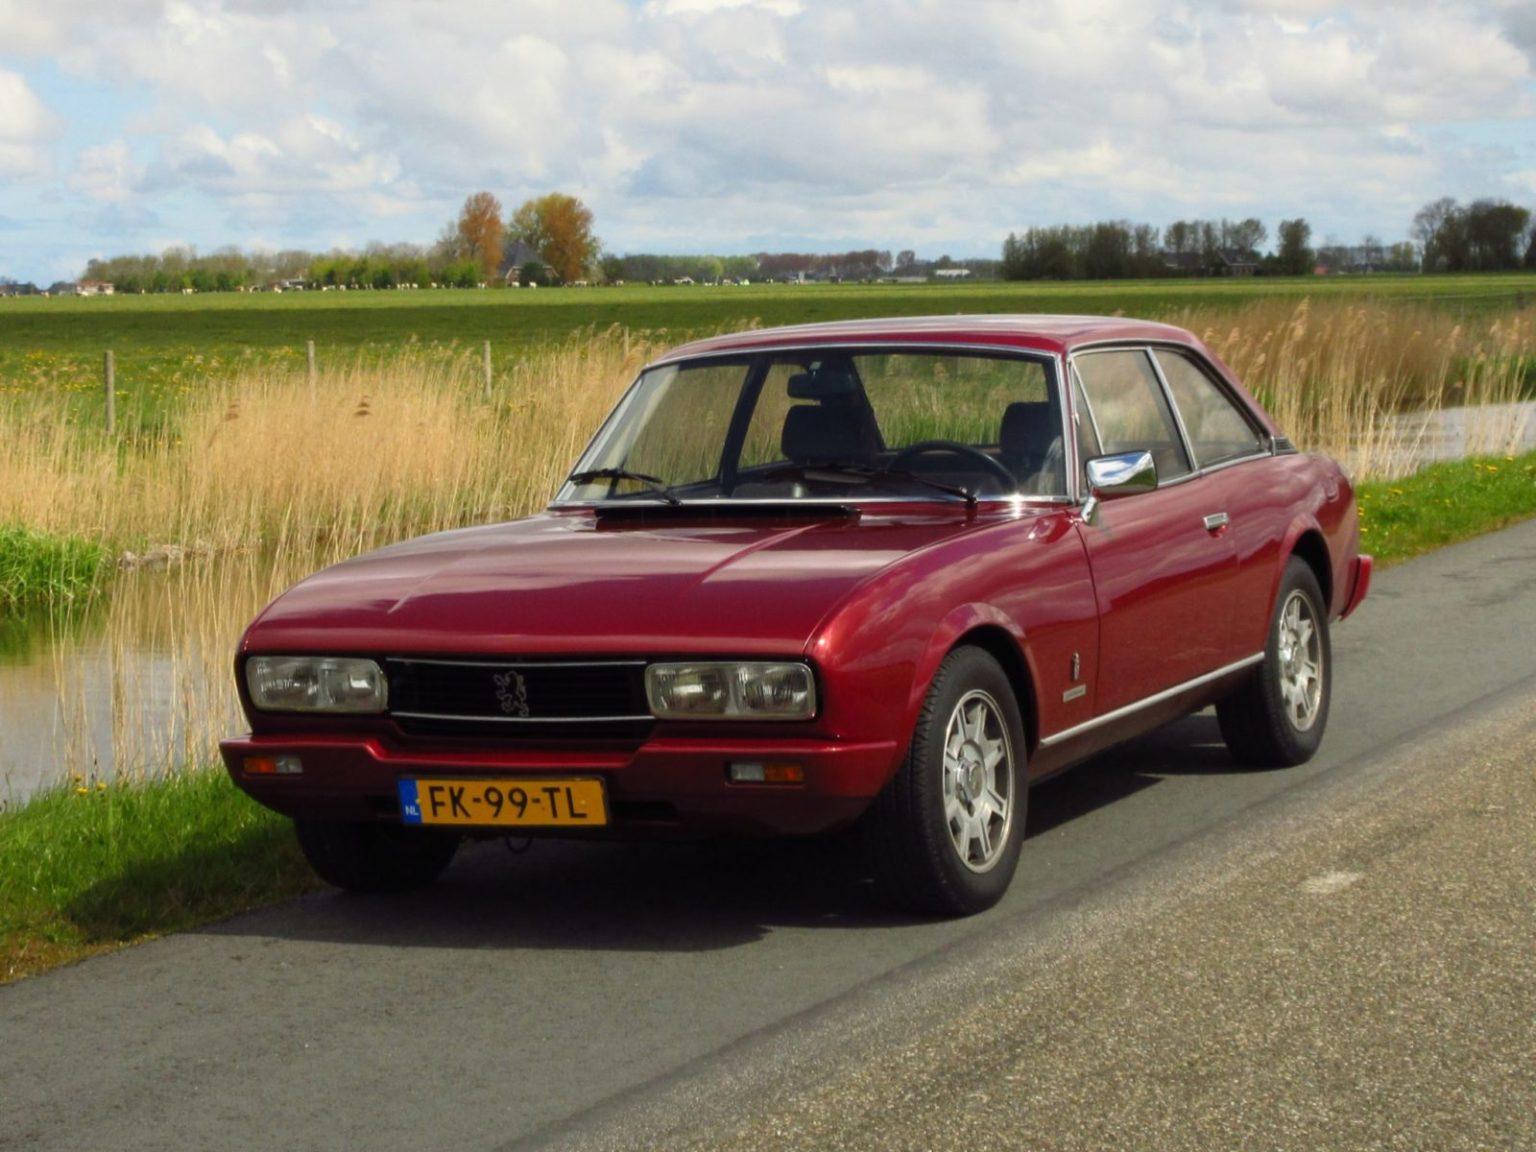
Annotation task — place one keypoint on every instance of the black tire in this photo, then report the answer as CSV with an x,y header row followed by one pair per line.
x,y
916,858
1258,722
374,857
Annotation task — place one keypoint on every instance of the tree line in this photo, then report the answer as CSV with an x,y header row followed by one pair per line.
x,y
1484,236
550,239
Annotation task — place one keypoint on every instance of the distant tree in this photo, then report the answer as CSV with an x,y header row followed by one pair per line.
x,y
479,231
611,267
1403,257
905,258
1247,236
534,273
1295,256
1494,231
1440,229
559,228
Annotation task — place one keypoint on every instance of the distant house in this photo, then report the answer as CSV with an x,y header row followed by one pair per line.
x,y
94,288
1223,262
1184,263
951,273
1235,262
514,257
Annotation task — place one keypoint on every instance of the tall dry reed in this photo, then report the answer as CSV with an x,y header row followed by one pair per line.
x,y
1339,377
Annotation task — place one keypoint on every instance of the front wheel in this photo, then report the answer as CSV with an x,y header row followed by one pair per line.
x,y
374,857
946,832
1277,718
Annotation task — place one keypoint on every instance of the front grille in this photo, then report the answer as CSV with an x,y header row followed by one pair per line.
x,y
510,694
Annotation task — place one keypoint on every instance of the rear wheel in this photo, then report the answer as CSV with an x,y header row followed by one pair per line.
x,y
374,857
1277,718
946,832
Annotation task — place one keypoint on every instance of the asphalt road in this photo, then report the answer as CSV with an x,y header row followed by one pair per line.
x,y
665,996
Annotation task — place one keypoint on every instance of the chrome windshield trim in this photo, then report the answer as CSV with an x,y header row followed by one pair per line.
x,y
1147,702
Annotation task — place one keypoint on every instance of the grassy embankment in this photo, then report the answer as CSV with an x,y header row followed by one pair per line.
x,y
88,867
1445,503
275,481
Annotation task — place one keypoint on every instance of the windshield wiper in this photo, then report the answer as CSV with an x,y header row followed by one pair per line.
x,y
869,472
654,484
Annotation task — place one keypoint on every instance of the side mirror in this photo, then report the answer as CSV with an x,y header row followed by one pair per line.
x,y
1111,477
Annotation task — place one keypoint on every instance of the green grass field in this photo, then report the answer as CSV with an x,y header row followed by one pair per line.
x,y
164,344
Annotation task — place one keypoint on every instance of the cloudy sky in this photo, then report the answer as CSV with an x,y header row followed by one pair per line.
x,y
743,125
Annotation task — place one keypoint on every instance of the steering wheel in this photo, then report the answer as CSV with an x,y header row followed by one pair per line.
x,y
954,448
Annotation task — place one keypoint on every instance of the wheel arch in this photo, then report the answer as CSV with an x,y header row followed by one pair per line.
x,y
1310,547
1000,644
1001,638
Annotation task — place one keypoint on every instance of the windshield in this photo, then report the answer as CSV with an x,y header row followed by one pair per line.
x,y
831,424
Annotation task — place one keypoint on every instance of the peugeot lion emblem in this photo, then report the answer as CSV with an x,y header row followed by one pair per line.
x,y
511,692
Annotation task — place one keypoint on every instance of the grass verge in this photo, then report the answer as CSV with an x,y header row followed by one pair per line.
x,y
89,867
40,571
1444,503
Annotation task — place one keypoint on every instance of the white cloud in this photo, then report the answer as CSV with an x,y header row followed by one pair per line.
x,y
25,127
725,123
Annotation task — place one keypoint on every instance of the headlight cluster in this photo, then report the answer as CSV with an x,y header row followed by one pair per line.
x,y
734,691
315,684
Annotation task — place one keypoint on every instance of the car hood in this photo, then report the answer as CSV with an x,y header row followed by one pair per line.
x,y
565,582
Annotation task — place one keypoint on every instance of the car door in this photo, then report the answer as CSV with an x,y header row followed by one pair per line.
x,y
1163,578
1231,451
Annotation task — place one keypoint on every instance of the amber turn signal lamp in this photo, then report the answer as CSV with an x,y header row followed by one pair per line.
x,y
273,766
754,772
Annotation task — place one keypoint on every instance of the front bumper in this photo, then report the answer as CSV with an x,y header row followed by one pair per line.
x,y
664,785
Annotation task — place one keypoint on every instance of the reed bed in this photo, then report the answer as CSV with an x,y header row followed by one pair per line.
x,y
1346,378
259,479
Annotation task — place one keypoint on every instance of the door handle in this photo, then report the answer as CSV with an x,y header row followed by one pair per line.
x,y
1216,521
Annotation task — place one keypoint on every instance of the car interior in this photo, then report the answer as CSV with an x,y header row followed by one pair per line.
x,y
831,434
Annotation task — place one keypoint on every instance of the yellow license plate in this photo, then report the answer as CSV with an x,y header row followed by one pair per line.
x,y
562,802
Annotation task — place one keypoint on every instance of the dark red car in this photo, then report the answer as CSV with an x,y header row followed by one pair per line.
x,y
892,570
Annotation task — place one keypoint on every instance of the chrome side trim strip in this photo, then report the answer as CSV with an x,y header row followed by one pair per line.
x,y
1156,698
524,719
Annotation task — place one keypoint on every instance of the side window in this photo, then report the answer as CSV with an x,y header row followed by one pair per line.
x,y
1130,412
1217,429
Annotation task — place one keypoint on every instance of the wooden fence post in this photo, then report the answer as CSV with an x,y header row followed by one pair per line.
x,y
109,383
309,353
486,364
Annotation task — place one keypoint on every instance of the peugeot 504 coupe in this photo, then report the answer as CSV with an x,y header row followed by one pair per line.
x,y
887,572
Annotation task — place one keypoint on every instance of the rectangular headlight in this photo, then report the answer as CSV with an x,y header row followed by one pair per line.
x,y
731,691
315,684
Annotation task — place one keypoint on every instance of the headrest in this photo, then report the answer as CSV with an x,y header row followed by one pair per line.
x,y
1029,428
823,383
820,432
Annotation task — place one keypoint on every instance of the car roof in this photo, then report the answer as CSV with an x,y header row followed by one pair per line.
x,y
1048,332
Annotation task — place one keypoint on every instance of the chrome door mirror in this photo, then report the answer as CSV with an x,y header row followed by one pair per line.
x,y
1111,477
